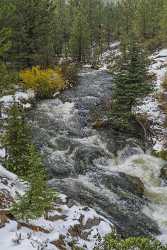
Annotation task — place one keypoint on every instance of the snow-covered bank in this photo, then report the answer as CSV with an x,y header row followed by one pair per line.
x,y
65,227
151,106
107,59
10,186
21,97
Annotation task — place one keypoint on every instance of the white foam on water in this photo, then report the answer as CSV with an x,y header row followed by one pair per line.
x,y
148,168
98,188
60,110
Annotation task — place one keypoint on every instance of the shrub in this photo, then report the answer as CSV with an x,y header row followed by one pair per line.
x,y
113,242
44,82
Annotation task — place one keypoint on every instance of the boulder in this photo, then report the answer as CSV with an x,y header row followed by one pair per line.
x,y
163,173
121,181
84,157
118,197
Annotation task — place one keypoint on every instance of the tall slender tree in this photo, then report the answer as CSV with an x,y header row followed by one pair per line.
x,y
16,140
39,197
80,37
130,83
5,30
32,31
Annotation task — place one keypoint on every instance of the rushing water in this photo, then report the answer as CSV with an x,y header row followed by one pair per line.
x,y
81,161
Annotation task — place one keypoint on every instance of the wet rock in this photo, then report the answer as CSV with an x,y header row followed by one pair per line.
x,y
84,157
58,166
136,186
129,151
56,217
125,182
101,123
120,206
91,223
163,173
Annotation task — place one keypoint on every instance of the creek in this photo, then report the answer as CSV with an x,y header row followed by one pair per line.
x,y
98,168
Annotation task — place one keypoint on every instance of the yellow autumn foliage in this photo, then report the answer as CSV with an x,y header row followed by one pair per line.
x,y
44,82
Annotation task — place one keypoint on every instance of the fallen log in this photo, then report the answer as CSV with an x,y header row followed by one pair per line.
x,y
32,227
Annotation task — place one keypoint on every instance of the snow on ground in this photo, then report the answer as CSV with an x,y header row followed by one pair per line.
x,y
150,105
20,96
10,186
108,57
64,227
12,239
81,225
2,152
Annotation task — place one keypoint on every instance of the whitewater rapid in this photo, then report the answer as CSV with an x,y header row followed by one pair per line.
x,y
148,169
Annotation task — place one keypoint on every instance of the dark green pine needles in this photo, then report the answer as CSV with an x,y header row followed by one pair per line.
x,y
130,83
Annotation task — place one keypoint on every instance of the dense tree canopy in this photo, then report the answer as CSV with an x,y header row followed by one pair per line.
x,y
42,31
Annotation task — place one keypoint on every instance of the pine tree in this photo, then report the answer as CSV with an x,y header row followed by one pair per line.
x,y
137,68
16,140
39,198
32,32
120,110
61,28
80,36
23,159
6,11
163,23
130,84
148,17
8,79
